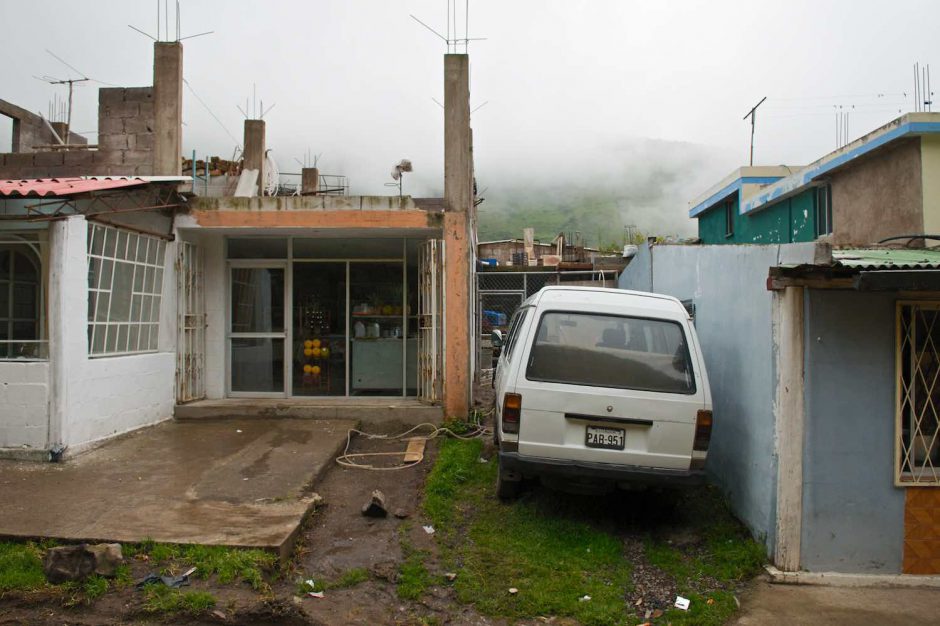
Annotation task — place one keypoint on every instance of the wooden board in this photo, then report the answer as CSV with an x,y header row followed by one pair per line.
x,y
415,451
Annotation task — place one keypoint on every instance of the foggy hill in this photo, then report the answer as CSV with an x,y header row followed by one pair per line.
x,y
644,183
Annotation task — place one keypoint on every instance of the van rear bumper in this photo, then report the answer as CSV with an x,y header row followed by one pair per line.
x,y
539,466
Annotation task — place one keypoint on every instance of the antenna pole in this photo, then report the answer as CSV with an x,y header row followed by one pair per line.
x,y
753,114
68,119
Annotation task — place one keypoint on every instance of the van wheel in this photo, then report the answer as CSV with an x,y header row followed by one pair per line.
x,y
506,488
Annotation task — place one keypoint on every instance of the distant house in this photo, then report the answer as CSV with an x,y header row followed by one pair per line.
x,y
881,185
824,359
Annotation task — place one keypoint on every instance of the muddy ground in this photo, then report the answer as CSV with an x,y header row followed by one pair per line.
x,y
338,538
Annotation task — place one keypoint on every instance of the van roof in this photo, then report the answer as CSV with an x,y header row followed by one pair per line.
x,y
575,295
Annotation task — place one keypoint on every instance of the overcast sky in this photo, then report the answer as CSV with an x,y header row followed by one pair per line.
x,y
565,81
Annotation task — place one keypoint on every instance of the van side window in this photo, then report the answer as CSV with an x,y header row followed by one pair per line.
x,y
514,327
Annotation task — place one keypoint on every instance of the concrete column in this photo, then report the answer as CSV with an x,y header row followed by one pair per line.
x,y
458,159
254,150
168,108
458,202
789,416
309,181
61,129
68,318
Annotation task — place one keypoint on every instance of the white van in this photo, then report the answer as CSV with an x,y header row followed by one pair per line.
x,y
597,388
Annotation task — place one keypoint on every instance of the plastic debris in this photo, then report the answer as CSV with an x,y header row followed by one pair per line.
x,y
584,598
710,601
173,582
219,614
513,591
638,602
482,460
311,583
450,577
428,529
736,601
682,603
238,430
316,594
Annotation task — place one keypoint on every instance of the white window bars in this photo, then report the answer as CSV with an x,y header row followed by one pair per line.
x,y
125,283
917,440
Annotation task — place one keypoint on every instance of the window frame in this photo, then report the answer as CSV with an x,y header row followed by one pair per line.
x,y
28,246
144,296
692,365
823,206
515,324
729,217
906,335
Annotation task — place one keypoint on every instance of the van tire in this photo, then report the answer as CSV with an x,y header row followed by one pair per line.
x,y
506,489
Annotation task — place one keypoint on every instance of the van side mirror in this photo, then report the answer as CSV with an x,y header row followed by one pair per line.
x,y
496,338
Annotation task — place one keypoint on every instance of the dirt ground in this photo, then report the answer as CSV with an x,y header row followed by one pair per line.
x,y
338,539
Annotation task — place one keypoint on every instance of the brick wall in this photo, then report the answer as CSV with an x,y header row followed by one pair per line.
x,y
125,142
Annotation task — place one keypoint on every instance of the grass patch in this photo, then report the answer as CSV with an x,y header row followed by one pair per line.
x,y
413,576
553,559
227,564
21,567
161,599
349,578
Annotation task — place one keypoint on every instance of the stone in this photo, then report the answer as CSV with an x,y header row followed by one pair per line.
x,y
107,558
401,514
77,562
375,507
65,563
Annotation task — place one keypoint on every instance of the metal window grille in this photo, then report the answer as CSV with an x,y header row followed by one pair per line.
x,y
22,327
917,445
125,283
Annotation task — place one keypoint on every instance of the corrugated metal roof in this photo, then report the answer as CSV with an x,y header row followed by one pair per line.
x,y
887,258
55,187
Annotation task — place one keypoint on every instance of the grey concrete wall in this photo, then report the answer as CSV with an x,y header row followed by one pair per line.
x,y
29,130
853,516
879,197
638,275
254,150
733,320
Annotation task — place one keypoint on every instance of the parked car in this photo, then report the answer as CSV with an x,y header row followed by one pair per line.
x,y
599,388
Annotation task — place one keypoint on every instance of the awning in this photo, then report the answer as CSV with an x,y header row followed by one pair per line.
x,y
63,187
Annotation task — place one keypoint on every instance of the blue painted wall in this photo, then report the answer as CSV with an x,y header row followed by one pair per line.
x,y
853,515
733,322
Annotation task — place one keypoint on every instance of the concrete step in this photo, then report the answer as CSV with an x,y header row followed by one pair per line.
x,y
364,410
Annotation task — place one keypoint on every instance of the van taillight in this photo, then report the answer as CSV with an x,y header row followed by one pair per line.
x,y
512,408
703,430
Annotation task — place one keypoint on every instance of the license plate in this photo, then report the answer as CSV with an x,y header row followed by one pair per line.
x,y
608,438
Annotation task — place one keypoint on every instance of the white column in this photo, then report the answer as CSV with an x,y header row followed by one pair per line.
x,y
68,318
788,430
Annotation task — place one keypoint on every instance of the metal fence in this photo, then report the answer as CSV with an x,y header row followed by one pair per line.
x,y
501,293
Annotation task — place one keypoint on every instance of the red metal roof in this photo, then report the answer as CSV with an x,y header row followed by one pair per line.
x,y
54,187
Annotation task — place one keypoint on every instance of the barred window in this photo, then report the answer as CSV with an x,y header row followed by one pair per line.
x,y
917,439
21,305
125,282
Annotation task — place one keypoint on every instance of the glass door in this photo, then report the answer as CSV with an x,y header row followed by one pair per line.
x,y
318,341
257,331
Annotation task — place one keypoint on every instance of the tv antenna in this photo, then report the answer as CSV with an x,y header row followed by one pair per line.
x,y
163,16
452,39
71,82
310,159
256,108
923,96
753,114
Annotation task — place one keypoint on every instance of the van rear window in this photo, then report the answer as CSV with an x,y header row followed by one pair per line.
x,y
611,351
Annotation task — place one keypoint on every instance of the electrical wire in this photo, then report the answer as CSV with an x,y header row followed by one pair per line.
x,y
348,459
209,111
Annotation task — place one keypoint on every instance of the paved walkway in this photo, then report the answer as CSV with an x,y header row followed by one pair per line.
x,y
230,482
767,604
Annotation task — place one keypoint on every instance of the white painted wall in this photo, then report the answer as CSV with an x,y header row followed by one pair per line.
x,y
94,399
24,405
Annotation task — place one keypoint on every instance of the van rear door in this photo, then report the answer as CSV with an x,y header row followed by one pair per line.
x,y
609,388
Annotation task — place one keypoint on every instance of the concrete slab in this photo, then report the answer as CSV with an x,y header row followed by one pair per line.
x,y
368,410
242,482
